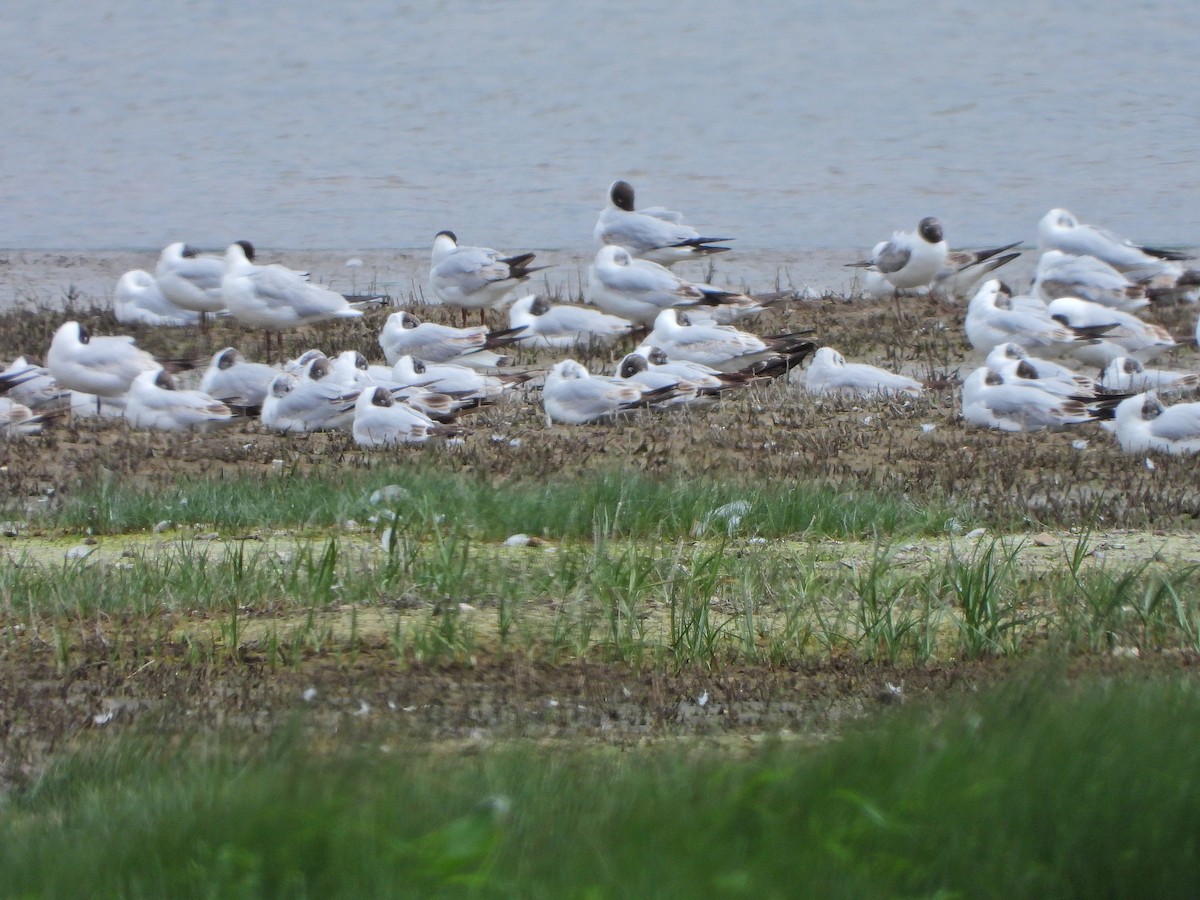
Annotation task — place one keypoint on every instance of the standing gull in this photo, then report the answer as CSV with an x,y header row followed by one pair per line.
x,y
474,277
274,297
653,233
911,259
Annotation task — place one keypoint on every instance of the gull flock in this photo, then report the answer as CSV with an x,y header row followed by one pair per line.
x,y
689,342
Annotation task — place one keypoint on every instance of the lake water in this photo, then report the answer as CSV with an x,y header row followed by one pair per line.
x,y
131,123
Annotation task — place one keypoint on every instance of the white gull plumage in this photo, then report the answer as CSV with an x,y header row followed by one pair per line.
x,y
652,233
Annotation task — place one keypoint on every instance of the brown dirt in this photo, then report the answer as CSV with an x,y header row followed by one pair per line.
x,y
774,431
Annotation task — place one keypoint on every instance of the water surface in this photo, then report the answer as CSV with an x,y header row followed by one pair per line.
x,y
133,123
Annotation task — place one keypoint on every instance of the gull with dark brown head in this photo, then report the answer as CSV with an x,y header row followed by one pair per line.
x,y
405,334
652,233
1144,424
536,321
911,259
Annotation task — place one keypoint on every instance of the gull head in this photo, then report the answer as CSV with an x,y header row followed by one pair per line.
x,y
568,370
444,242
320,367
613,255
283,383
827,356
621,195
228,358
632,364
930,230
381,396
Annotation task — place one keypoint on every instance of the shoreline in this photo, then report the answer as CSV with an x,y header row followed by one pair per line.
x,y
50,277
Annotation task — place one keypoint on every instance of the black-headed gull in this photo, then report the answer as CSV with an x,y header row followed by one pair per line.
x,y
639,289
704,376
720,346
653,233
274,297
1124,373
1119,333
474,277
829,373
1060,230
137,300
1144,424
558,326
231,379
573,396
101,365
155,403
1067,275
911,259
1011,359
996,316
993,400
190,281
309,401
450,378
405,334
964,269
380,420
636,367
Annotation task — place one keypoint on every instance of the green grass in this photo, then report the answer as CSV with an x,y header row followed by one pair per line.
x,y
1040,789
616,504
439,596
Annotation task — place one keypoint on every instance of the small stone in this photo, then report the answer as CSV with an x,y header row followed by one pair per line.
x,y
80,551
976,533
522,540
891,693
309,695
389,493
1045,539
160,527
928,427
